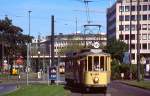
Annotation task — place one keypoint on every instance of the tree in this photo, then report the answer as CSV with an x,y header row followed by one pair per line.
x,y
12,39
75,46
116,48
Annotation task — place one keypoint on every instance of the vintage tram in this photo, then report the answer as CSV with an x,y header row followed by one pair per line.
x,y
88,68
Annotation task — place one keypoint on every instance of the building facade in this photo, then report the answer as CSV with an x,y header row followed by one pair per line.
x,y
41,48
63,41
120,27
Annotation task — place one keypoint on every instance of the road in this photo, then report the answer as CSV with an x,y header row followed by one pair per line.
x,y
5,88
116,89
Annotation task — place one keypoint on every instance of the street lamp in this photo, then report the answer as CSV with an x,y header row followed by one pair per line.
x,y
28,52
38,60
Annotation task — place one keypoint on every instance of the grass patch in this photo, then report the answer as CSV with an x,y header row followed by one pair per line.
x,y
40,90
141,84
3,75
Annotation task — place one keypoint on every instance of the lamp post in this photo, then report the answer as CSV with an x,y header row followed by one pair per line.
x,y
43,62
28,52
138,42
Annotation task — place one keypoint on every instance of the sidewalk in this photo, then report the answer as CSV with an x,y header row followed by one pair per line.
x,y
142,84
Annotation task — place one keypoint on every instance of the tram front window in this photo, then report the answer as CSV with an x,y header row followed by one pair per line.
x,y
96,63
102,63
89,63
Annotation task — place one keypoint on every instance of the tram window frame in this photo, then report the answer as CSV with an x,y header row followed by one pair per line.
x,y
96,64
102,63
85,65
90,61
106,62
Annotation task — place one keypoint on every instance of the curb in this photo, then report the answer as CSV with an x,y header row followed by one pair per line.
x,y
135,86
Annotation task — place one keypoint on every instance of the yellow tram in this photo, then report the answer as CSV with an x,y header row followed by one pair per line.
x,y
88,68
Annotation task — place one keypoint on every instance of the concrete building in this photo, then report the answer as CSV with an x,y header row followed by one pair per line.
x,y
41,47
118,25
62,41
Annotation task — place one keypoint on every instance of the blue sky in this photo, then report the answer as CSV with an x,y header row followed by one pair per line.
x,y
65,12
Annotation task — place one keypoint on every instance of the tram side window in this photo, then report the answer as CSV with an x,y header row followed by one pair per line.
x,y
106,62
102,63
89,63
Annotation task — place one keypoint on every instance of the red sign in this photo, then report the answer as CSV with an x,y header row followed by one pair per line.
x,y
19,61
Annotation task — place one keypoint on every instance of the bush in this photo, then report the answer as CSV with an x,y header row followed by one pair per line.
x,y
115,70
118,68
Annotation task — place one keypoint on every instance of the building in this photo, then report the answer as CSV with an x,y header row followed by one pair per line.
x,y
118,25
62,41
41,47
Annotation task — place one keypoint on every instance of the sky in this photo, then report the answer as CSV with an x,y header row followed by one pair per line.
x,y
66,13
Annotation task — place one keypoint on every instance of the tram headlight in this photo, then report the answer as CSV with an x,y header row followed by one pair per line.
x,y
96,79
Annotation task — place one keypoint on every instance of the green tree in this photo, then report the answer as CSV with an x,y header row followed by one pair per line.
x,y
12,39
116,48
73,46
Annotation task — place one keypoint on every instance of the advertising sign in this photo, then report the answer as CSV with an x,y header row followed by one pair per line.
x,y
53,73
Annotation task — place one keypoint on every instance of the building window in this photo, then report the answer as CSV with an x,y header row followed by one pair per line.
x,y
144,7
126,37
127,27
148,16
121,27
138,17
132,8
127,17
132,46
144,36
121,18
133,37
133,56
145,0
133,18
144,26
133,27
139,8
144,17
127,8
140,36
148,45
144,45
121,8
148,36
139,27
148,26
121,37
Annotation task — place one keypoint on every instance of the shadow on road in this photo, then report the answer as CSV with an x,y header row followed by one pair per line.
x,y
83,90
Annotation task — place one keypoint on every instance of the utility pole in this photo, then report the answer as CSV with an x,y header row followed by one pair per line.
x,y
76,25
39,53
138,42
52,44
28,52
121,20
52,41
130,39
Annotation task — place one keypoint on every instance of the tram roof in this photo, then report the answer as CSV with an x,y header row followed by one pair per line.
x,y
87,52
92,53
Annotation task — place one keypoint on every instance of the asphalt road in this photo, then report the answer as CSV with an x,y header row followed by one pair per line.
x,y
116,89
5,88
